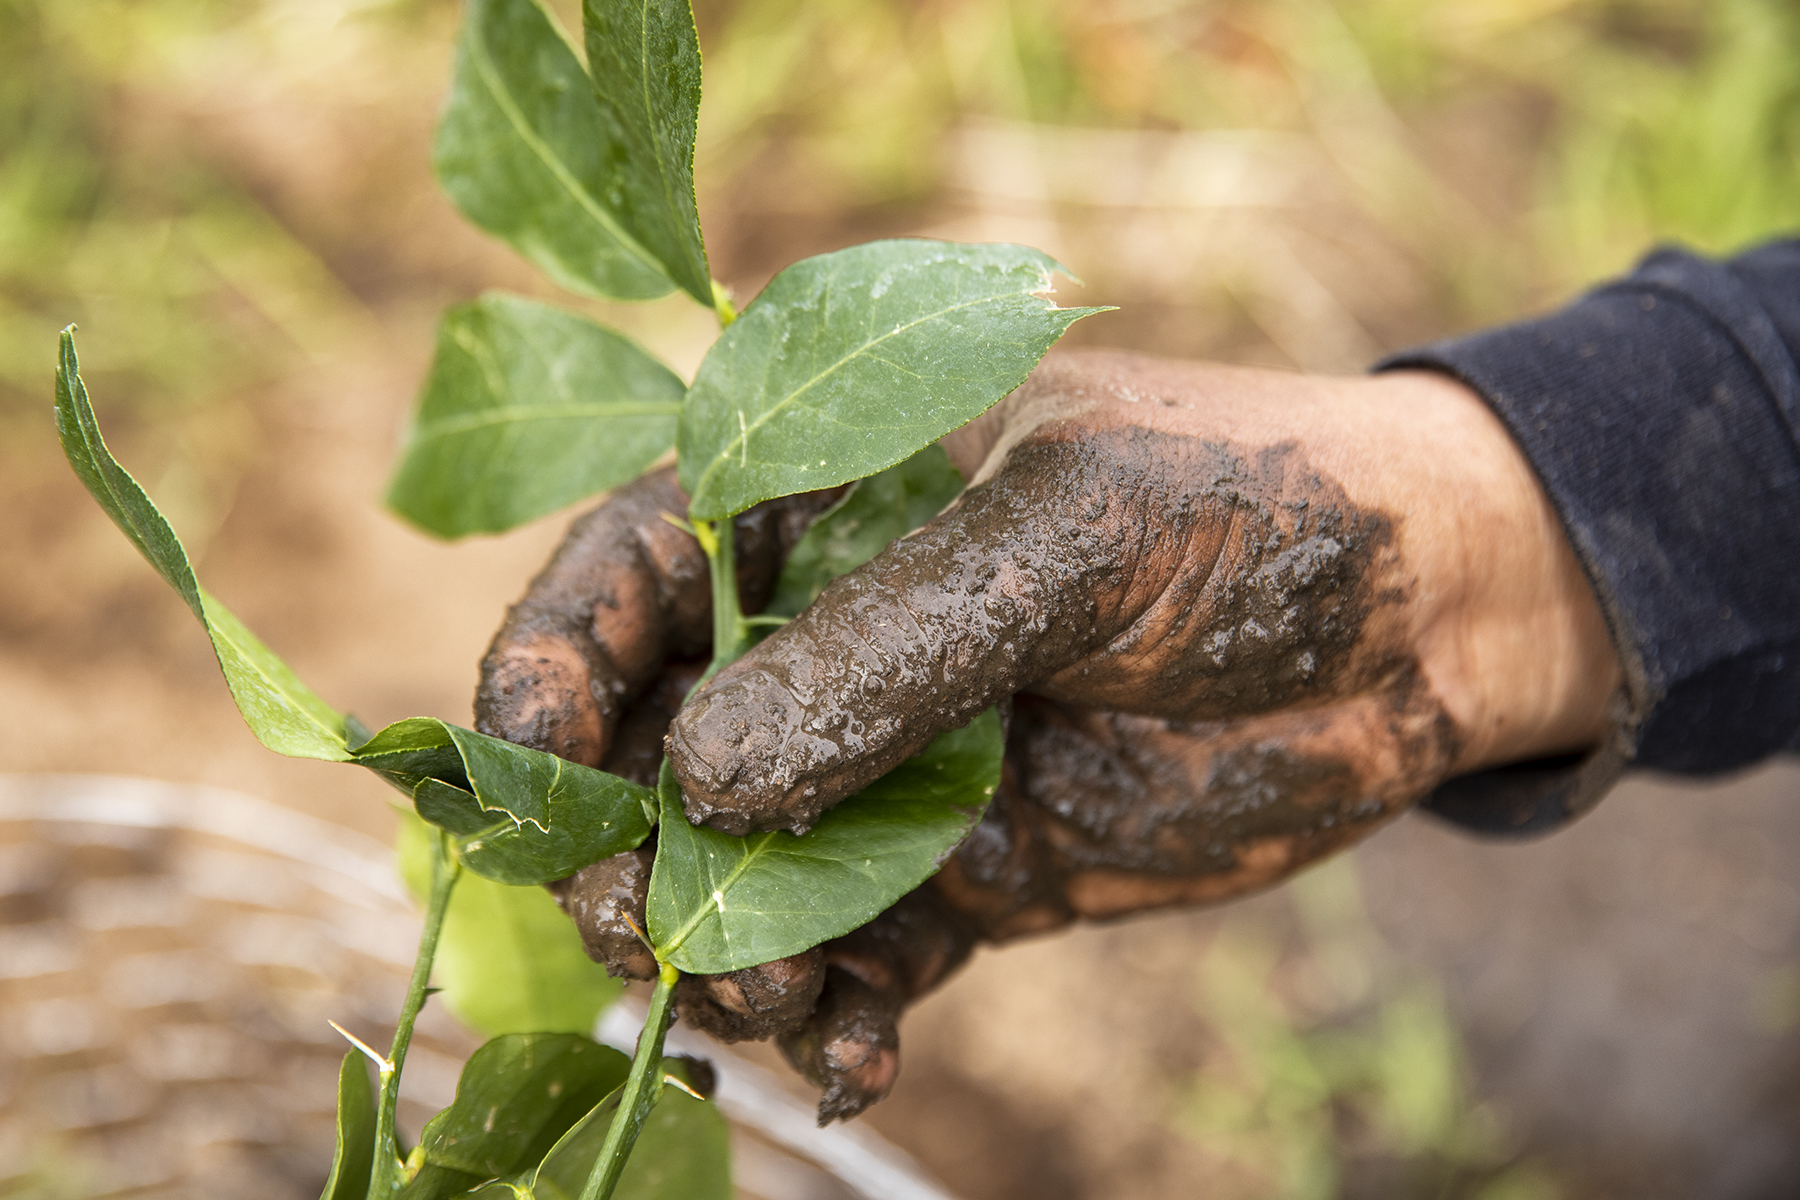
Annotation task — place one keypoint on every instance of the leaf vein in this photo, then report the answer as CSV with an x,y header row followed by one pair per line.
x,y
724,454
489,73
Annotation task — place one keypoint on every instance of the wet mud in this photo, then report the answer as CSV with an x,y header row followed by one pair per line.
x,y
1124,568
605,900
624,593
755,1003
849,1048
1132,813
1209,696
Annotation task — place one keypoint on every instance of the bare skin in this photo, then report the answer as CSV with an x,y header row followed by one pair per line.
x,y
1242,618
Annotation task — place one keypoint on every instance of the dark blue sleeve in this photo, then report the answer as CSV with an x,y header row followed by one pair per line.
x,y
1661,413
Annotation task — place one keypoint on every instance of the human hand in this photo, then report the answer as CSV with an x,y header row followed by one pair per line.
x,y
1247,617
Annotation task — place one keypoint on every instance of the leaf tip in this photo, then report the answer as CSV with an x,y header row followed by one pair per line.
x,y
67,367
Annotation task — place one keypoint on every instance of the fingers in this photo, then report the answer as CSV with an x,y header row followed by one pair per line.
x,y
1003,879
1111,566
606,901
1003,589
849,1047
1130,813
624,591
755,1003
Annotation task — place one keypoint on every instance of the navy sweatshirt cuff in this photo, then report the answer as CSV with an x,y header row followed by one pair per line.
x,y
1660,414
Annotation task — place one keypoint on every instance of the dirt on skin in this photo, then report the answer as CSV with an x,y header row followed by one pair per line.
x,y
1099,566
625,592
1121,568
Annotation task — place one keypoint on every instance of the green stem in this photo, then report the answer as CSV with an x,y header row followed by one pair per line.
x,y
643,1087
388,1175
722,305
731,635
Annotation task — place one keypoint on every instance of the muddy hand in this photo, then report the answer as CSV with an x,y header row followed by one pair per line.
x,y
594,663
1191,544
1247,617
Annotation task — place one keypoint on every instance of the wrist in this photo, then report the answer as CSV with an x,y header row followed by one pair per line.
x,y
1508,630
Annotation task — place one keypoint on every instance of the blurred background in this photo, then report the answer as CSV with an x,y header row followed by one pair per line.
x,y
234,202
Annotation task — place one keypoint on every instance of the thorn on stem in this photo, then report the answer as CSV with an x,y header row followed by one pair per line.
x,y
380,1061
638,930
670,1079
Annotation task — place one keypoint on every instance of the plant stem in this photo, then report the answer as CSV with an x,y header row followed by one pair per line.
x,y
643,1087
731,635
722,305
388,1175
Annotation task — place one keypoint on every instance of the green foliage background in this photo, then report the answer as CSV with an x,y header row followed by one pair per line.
x,y
1617,122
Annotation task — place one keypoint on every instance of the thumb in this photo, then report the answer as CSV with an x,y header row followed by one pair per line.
x,y
1003,589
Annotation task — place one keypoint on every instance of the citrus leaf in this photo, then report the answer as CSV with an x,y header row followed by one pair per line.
x,y
508,960
411,750
355,1153
720,903
849,362
863,524
518,1095
506,851
518,815
457,812
644,56
525,151
602,814
527,409
283,713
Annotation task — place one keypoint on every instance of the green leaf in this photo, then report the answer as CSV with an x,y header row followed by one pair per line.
x,y
509,961
582,831
527,409
518,1095
412,750
458,813
644,56
283,713
850,362
863,524
531,786
355,1154
554,816
682,1153
527,153
720,903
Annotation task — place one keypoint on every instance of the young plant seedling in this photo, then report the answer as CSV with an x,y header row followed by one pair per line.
x,y
847,367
